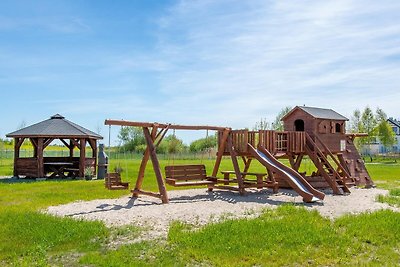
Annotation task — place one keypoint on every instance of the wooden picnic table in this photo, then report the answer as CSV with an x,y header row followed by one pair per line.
x,y
271,183
57,168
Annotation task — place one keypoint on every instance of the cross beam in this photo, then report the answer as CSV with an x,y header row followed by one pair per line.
x,y
164,125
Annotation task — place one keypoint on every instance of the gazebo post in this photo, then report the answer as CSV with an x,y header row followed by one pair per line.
x,y
17,146
71,148
93,143
40,149
82,159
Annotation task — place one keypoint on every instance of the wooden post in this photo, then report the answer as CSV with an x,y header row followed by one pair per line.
x,y
93,143
71,148
82,157
247,163
220,152
35,147
40,157
156,165
17,146
143,164
298,162
236,165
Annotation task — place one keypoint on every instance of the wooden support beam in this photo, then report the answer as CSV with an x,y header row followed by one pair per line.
x,y
146,193
47,142
247,163
71,147
92,143
298,162
34,143
40,149
156,165
66,144
94,155
160,135
235,165
82,157
220,152
17,146
161,125
142,168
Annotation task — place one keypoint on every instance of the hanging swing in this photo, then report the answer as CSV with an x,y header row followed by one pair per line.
x,y
188,175
113,179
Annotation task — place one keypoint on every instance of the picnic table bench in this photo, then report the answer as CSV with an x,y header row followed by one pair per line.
x,y
269,181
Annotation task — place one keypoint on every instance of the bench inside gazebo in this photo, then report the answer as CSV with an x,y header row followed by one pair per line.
x,y
41,135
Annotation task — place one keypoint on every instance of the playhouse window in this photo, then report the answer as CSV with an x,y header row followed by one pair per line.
x,y
338,128
299,125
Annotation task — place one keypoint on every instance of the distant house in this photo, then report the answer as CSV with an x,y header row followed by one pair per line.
x,y
378,148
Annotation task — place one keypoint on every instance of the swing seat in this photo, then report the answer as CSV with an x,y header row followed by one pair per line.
x,y
188,175
113,182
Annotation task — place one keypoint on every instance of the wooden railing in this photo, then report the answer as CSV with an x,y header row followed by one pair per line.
x,y
279,141
27,166
273,141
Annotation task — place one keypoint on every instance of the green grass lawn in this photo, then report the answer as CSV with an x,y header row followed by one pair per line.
x,y
287,236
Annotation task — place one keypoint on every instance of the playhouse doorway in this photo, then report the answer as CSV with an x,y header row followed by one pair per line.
x,y
299,125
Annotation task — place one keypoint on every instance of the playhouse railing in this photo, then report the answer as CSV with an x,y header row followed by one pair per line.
x,y
273,141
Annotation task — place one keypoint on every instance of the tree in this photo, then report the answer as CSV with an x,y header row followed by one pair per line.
x,y
355,122
368,125
263,124
277,125
384,131
171,145
203,144
132,138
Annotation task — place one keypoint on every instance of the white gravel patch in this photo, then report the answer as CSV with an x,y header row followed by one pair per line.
x,y
198,206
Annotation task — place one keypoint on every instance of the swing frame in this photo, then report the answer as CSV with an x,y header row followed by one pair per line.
x,y
154,134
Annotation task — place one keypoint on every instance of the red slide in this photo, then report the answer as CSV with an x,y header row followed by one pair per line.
x,y
294,179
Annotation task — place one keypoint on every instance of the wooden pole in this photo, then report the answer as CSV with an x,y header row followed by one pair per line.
x,y
82,157
93,144
40,149
71,148
247,163
143,164
156,166
17,146
161,125
236,165
220,152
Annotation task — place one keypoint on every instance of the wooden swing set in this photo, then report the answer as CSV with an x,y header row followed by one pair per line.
x,y
194,174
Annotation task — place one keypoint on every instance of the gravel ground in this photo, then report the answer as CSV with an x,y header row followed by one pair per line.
x,y
198,207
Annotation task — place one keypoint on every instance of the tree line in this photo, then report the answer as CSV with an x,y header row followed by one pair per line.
x,y
132,139
373,124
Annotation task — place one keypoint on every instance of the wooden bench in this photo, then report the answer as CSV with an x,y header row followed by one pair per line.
x,y
113,181
188,175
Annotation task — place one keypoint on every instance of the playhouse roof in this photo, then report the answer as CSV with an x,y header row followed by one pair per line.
x,y
318,113
58,127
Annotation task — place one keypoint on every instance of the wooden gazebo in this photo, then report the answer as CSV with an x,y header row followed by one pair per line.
x,y
41,135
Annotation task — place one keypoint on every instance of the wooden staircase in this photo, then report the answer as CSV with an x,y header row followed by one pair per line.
x,y
355,165
338,178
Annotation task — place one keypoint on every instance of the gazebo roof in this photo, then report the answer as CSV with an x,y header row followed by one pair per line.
x,y
55,127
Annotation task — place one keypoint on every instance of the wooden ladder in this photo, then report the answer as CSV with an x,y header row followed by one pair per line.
x,y
325,168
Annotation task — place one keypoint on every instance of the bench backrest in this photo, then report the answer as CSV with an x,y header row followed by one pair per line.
x,y
113,178
186,172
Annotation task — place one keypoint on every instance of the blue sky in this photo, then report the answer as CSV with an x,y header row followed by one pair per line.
x,y
215,62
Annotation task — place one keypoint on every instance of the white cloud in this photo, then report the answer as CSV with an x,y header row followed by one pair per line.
x,y
236,65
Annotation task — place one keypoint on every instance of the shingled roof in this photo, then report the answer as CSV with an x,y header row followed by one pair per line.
x,y
319,113
57,127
